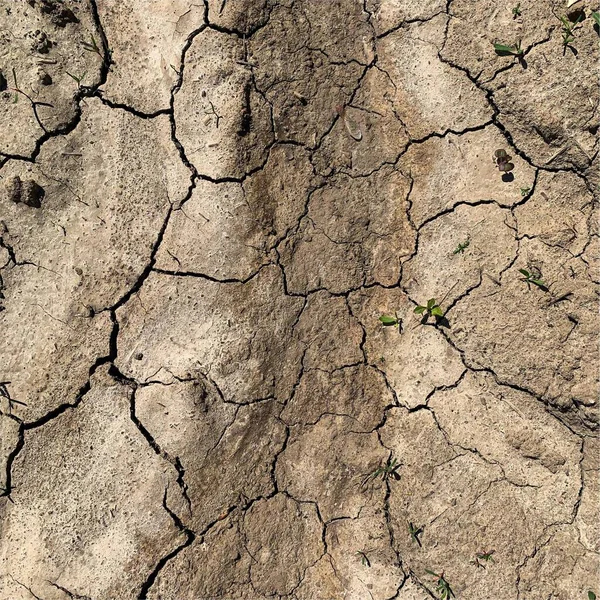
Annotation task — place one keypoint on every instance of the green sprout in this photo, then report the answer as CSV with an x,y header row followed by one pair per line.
x,y
525,191
568,27
364,559
516,10
505,50
77,79
460,249
591,595
389,469
596,17
529,277
483,556
442,587
389,321
415,532
92,47
432,309
503,159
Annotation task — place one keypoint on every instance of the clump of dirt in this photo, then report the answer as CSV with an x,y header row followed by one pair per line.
x,y
26,192
59,14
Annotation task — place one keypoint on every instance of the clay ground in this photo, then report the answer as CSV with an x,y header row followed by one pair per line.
x,y
205,209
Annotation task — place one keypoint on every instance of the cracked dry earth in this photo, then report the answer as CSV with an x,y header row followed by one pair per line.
x,y
197,240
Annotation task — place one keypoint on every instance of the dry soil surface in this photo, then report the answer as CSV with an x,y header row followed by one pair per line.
x,y
205,209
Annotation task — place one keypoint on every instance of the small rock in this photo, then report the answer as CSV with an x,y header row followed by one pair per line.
x,y
138,356
45,79
27,192
41,42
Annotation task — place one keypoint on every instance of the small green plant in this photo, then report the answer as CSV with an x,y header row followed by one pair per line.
x,y
16,88
389,321
432,309
483,557
529,277
591,595
596,17
415,532
76,78
505,50
516,11
525,191
364,559
389,469
92,47
503,159
442,587
568,27
460,249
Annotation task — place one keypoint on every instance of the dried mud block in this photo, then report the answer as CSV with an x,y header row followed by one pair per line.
x,y
222,121
355,233
306,64
327,462
146,39
387,15
436,188
437,272
529,340
26,192
359,392
169,326
227,230
75,519
36,36
416,361
240,16
550,108
431,97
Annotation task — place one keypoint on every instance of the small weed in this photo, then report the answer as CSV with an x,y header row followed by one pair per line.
x,y
442,587
16,89
389,321
460,249
432,309
591,595
390,469
536,280
503,159
364,559
516,11
525,191
77,79
415,532
596,17
483,557
568,27
92,47
505,50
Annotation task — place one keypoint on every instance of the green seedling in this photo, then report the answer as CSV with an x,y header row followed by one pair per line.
x,y
389,321
390,469
460,249
596,17
525,191
505,50
92,47
591,595
415,532
442,587
432,309
516,11
529,277
483,557
568,27
364,559
77,79
502,159
16,89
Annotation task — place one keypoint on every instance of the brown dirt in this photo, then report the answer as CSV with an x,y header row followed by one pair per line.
x,y
197,240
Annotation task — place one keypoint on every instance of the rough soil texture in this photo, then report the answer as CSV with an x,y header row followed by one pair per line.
x,y
205,208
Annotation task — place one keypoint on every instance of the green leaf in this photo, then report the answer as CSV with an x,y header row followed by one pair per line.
x,y
436,311
430,303
504,50
420,309
525,273
596,17
388,321
538,282
591,595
